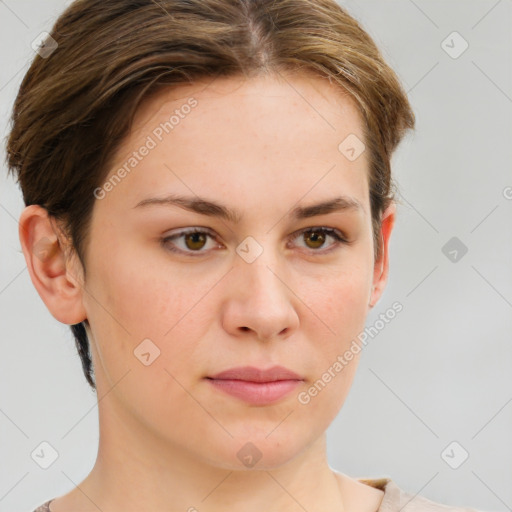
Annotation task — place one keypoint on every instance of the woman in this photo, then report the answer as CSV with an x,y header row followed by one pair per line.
x,y
209,206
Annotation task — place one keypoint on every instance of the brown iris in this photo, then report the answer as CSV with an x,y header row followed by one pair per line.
x,y
196,238
317,238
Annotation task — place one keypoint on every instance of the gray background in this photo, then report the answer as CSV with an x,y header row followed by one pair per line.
x,y
439,372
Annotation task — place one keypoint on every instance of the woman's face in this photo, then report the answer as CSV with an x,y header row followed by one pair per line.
x,y
265,288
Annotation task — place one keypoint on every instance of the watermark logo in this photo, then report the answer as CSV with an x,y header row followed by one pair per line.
x,y
44,455
454,249
43,248
249,249
44,45
454,45
249,454
146,352
454,455
352,147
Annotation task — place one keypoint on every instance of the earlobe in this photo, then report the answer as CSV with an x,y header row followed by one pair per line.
x,y
381,267
50,266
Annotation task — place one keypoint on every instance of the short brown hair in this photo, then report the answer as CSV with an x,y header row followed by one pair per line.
x,y
75,106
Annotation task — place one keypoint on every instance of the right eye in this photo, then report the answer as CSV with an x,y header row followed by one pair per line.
x,y
194,240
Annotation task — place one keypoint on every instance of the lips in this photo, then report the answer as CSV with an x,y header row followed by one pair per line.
x,y
252,374
256,386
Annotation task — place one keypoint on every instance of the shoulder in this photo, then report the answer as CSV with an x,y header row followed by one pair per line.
x,y
45,507
396,499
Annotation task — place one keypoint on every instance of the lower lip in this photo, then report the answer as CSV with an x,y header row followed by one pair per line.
x,y
257,393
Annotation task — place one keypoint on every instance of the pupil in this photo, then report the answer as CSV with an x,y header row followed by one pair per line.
x,y
194,237
316,237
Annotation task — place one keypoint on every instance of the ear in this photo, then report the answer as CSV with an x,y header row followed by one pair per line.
x,y
49,263
381,267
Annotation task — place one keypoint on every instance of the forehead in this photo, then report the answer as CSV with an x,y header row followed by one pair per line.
x,y
257,136
313,98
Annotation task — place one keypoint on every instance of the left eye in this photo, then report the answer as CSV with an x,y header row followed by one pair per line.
x,y
195,240
318,236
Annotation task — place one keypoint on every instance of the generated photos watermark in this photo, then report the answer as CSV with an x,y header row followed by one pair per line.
x,y
304,397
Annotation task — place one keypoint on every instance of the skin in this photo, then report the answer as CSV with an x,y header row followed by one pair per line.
x,y
168,438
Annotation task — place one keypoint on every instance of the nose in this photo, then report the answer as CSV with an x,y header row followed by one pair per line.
x,y
260,301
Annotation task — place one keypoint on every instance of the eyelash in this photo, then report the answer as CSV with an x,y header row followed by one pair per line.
x,y
334,233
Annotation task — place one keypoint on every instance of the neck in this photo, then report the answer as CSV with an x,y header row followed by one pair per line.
x,y
136,470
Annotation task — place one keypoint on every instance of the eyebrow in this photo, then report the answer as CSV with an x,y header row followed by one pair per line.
x,y
211,208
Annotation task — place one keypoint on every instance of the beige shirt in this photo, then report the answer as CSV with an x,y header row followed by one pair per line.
x,y
394,499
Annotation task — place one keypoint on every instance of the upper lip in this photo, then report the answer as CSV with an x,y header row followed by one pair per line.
x,y
252,374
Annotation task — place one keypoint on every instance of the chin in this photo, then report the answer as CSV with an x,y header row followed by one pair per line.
x,y
257,453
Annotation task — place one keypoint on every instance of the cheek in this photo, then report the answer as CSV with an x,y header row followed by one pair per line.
x,y
338,307
144,342
153,312
145,301
323,397
339,298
